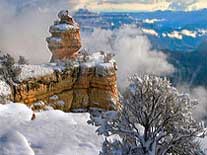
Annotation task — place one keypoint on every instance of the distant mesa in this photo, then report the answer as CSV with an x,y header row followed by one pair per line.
x,y
65,41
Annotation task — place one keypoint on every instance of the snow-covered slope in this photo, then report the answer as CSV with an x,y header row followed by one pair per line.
x,y
51,133
14,143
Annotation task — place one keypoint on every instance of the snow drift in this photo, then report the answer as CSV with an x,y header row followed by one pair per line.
x,y
51,133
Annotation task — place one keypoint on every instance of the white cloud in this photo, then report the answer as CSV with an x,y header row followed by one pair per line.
x,y
146,5
173,2
152,21
119,1
181,4
150,32
189,33
179,34
132,49
164,35
175,34
199,93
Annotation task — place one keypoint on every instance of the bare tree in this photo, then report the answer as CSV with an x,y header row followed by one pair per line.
x,y
155,120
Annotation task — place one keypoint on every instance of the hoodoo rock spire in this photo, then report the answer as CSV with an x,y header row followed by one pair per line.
x,y
65,41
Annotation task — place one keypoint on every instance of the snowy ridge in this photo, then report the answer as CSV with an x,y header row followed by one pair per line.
x,y
33,71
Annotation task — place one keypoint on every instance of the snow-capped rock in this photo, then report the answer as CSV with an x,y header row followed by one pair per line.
x,y
65,40
88,82
33,71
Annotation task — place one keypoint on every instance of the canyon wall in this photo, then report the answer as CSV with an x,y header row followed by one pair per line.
x,y
89,82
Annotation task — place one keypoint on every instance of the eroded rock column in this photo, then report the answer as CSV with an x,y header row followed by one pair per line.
x,y
65,41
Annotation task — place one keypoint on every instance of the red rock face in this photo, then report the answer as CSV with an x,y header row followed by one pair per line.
x,y
65,40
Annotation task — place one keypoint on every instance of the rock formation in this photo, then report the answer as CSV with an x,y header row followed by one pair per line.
x,y
75,80
89,82
65,41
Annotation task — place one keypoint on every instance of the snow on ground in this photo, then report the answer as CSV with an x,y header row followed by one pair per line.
x,y
51,133
4,89
31,71
203,142
14,143
96,57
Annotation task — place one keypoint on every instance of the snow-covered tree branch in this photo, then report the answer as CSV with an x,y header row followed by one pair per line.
x,y
155,120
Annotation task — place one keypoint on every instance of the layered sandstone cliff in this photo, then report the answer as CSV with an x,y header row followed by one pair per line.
x,y
88,82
